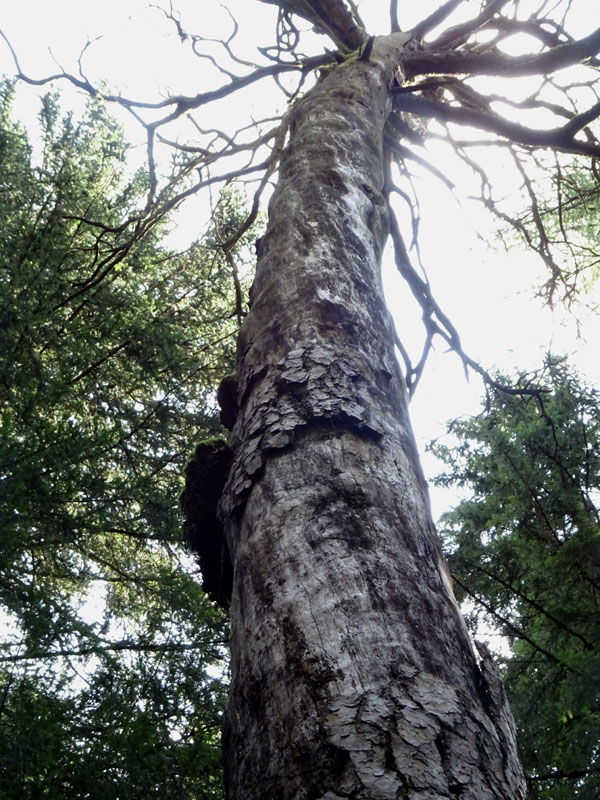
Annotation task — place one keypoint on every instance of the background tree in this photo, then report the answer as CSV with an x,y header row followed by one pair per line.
x,y
523,547
559,221
110,346
352,673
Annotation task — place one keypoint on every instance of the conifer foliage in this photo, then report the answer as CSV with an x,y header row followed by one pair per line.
x,y
110,342
524,548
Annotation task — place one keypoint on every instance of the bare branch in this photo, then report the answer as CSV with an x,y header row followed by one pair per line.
x,y
394,23
181,103
556,138
437,323
102,649
405,152
436,18
460,33
560,773
432,60
331,17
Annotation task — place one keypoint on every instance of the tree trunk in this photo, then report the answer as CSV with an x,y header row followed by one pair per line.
x,y
352,672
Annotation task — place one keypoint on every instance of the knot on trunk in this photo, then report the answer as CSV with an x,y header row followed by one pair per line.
x,y
227,398
205,477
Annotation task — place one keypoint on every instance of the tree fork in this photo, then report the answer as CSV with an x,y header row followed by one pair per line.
x,y
352,671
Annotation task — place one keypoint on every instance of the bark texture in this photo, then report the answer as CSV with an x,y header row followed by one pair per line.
x,y
353,676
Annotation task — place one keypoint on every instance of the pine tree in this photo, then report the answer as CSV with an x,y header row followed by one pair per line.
x,y
523,547
110,346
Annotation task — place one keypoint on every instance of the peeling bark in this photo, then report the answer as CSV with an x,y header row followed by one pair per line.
x,y
353,675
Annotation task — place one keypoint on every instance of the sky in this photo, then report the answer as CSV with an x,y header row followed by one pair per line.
x,y
485,291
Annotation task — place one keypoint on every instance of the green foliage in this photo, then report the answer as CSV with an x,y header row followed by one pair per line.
x,y
560,221
572,218
524,548
110,349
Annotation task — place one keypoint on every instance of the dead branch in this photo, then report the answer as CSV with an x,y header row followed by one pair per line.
x,y
432,59
557,138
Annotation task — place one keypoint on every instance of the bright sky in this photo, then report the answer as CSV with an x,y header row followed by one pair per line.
x,y
486,293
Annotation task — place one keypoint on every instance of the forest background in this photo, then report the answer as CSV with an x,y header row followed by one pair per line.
x,y
126,383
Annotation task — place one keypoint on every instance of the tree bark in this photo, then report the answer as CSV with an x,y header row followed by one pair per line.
x,y
352,671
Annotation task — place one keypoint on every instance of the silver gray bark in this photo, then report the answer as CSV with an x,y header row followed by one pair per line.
x,y
353,675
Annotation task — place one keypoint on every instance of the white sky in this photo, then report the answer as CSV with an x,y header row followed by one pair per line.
x,y
487,294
